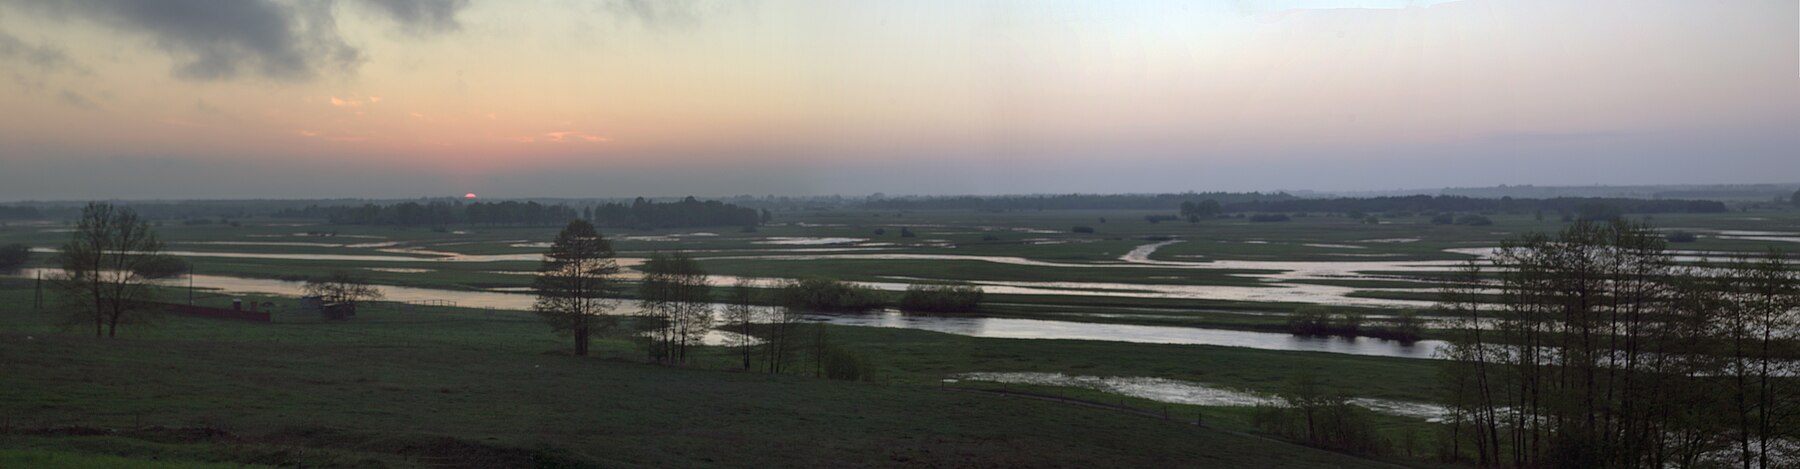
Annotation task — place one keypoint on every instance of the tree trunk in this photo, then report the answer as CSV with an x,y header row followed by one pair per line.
x,y
581,340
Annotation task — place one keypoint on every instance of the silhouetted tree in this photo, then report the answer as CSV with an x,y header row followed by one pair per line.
x,y
104,267
740,316
575,283
674,294
14,256
342,287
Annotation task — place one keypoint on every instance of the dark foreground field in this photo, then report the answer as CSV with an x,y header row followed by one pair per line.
x,y
463,390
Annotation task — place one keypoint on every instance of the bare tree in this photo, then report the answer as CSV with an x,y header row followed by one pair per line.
x,y
740,316
675,295
575,284
108,267
782,341
342,288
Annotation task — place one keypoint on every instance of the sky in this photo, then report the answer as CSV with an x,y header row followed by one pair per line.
x,y
138,99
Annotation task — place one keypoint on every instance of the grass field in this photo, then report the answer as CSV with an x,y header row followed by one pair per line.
x,y
436,387
396,389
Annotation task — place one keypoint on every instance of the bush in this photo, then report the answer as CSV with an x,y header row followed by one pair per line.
x,y
1310,320
1473,220
1443,219
1681,237
880,231
14,256
845,364
1269,217
907,233
941,298
1082,229
989,237
828,296
1316,418
1160,218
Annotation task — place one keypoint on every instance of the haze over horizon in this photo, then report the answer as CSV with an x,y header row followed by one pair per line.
x,y
359,98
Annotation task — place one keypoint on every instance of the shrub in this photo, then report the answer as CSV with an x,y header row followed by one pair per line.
x,y
907,233
1310,320
989,237
941,298
1269,217
1473,220
827,295
880,231
1313,417
14,256
1443,219
1082,229
1160,218
845,364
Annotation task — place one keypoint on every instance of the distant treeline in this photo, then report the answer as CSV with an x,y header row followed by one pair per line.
x,y
1069,201
20,213
639,213
1447,203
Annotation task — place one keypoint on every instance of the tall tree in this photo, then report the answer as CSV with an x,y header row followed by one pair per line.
x,y
342,287
675,295
108,266
14,256
740,317
575,284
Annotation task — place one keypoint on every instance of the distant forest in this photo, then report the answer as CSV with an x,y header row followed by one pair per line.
x,y
20,213
1069,201
639,213
1449,203
1282,202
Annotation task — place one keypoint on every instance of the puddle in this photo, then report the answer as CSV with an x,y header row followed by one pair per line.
x,y
1192,393
808,241
398,270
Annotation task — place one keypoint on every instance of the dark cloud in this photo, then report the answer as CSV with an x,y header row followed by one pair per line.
x,y
74,99
660,14
43,56
421,17
214,40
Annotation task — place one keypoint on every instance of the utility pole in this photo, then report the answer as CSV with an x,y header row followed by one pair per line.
x,y
37,293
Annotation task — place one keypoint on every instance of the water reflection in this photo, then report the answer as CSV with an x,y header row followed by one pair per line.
x,y
1009,328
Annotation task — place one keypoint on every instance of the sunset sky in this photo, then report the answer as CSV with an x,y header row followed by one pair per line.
x,y
520,98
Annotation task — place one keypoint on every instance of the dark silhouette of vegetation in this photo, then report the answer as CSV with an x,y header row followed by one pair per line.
x,y
1795,199
1681,237
640,213
575,284
1194,211
907,233
1066,201
826,295
1603,352
1269,217
107,266
341,291
740,316
1599,211
941,298
20,213
1082,229
14,256
1444,203
1313,416
1320,321
1160,218
677,300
